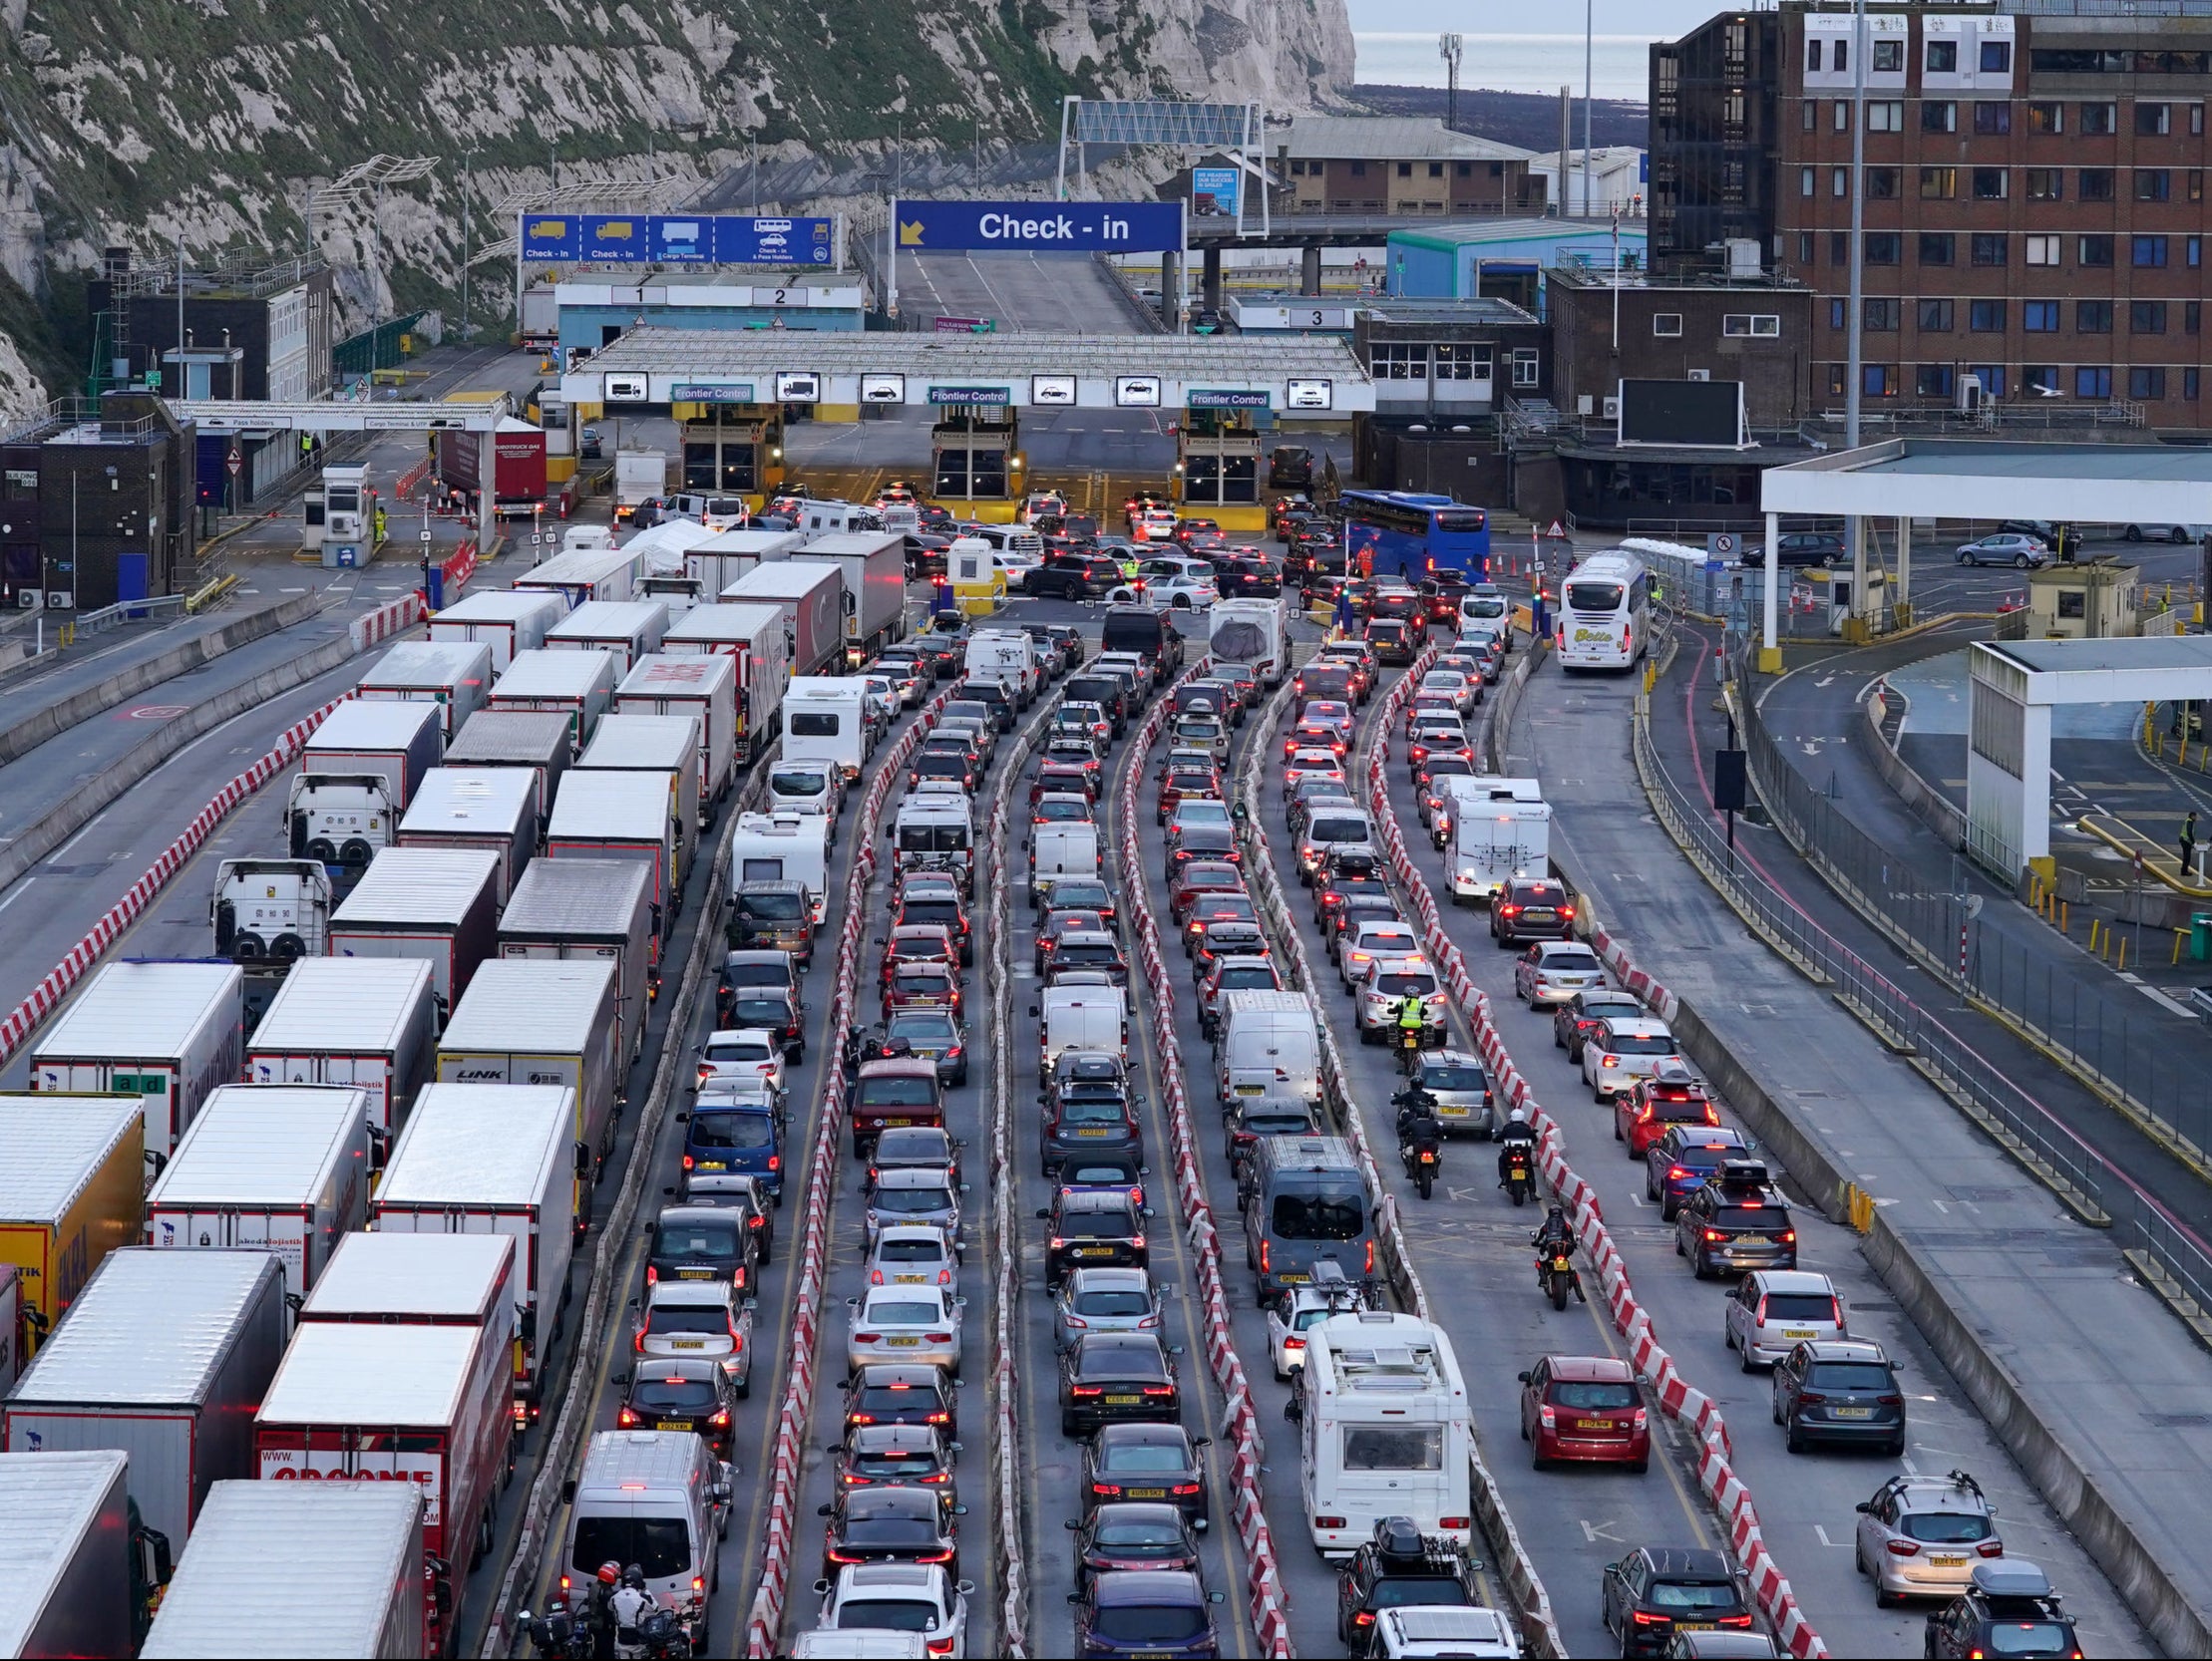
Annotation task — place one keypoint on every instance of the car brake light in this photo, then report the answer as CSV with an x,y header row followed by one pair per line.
x,y
1677,1174
775,1161
1293,1344
1991,1548
1736,1620
1644,1617
1903,1548
1089,1390
1366,1617
626,1419
1509,910
1565,911
1265,1254
863,1338
1813,1396
1329,1523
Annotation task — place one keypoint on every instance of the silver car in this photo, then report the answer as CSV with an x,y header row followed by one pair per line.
x,y
1922,1536
916,1325
1552,971
1333,830
699,1320
1456,1082
1776,1310
912,1254
920,1194
1104,1300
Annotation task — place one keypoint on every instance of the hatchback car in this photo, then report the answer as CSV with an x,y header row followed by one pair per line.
x,y
913,1148
1552,971
918,1324
1585,1408
2009,1609
1658,1590
888,1526
932,1034
1738,1222
1092,1228
1245,1119
703,1242
913,1195
672,1394
1530,908
1389,982
1623,1050
1104,1300
1294,1314
765,1009
1458,1089
1575,1019
911,1255
1839,1390
699,1320
1131,1535
1671,1095
745,1052
2004,547
1311,761
1147,1462
1924,1536
1369,939
1109,1376
901,1393
1200,876
1146,1612
1677,1165
1225,971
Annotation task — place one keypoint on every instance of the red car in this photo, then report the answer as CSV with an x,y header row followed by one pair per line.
x,y
1185,782
1585,1408
919,943
1670,1097
914,984
1200,876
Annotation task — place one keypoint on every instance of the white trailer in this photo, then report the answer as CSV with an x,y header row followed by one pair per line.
x,y
282,1168
435,903
163,1357
750,637
1270,1045
875,567
77,1578
608,815
1501,828
168,1033
536,741
283,1570
783,847
497,1159
382,1277
398,742
596,911
582,574
577,684
628,628
668,747
723,559
509,620
365,1021
453,674
640,476
1252,632
543,1021
701,686
492,808
826,719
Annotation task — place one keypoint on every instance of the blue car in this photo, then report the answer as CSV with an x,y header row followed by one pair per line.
x,y
739,1135
1676,1166
1130,1612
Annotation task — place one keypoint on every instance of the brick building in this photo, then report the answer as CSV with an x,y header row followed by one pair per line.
x,y
2035,210
1399,165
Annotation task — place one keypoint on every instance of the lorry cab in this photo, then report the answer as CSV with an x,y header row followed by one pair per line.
x,y
270,909
656,1498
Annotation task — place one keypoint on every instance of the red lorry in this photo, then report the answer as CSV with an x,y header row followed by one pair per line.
x,y
517,465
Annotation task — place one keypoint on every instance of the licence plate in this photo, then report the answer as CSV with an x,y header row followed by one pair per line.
x,y
1252,1090
1294,1279
694,1274
1696,1626
672,1425
1123,1401
902,1343
1535,916
1148,1493
908,1279
687,1343
893,1124
710,1165
1799,1332
1593,1424
1947,1562
1852,1412
1451,1113
1748,1240
1094,1252
1092,1131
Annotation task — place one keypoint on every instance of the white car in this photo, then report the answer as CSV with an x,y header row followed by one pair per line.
x,y
1776,1310
1370,940
1170,593
911,1255
699,1320
743,1053
1552,971
1622,1051
806,788
885,697
917,1325
1388,982
1463,693
1288,1319
904,1597
1153,524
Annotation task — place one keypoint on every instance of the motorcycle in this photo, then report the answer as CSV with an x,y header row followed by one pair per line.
x,y
1556,1275
662,1637
1422,1165
559,1634
1409,1050
1520,1176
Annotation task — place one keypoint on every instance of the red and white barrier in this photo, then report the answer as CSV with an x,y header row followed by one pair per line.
x,y
788,1458
1264,1590
1677,1398
460,569
387,620
48,994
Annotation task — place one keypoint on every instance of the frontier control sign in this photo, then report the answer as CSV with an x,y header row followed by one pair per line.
x,y
1040,226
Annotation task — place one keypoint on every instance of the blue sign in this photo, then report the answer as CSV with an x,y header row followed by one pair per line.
x,y
677,240
1040,226
681,241
552,236
1214,193
765,241
623,239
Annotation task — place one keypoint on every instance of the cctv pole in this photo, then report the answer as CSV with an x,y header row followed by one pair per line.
x,y
1853,531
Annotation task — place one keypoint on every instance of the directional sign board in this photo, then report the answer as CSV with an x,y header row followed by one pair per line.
x,y
679,238
1040,226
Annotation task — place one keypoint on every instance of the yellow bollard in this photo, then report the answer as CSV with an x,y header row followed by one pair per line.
x,y
2093,925
2121,965
2066,917
2179,935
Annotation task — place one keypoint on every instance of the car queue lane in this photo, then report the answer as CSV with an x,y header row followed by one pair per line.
x,y
1055,1460
1805,1502
1469,1245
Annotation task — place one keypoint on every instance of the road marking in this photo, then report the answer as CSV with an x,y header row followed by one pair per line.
x,y
1593,1533
18,894
1839,1546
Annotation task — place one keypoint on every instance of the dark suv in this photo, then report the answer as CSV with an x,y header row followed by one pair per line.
x,y
1396,1566
1531,908
1645,1594
1841,1390
1073,576
1736,1222
2010,1609
1093,1228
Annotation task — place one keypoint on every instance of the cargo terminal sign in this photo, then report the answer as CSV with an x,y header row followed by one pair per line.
x,y
676,240
1113,227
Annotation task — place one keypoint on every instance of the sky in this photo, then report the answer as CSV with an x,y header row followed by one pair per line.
x,y
1654,19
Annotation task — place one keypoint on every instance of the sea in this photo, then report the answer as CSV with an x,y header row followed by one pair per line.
x,y
1621,64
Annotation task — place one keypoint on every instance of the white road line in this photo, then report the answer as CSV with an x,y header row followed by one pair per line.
x,y
18,894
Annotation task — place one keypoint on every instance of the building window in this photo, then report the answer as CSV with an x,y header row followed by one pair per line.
x,y
1839,181
1889,57
1988,184
1988,248
1812,55
1667,323
1938,183
1436,169
1936,247
2090,382
1932,379
1939,115
2194,249
1839,248
2153,121
1463,169
2099,119
2190,380
1993,117
2043,183
1359,170
2097,184
1881,184
2146,318
2196,121
2146,382
1942,57
2153,185
1405,169
1805,247
1751,325
1996,57
2039,317
2095,250
2147,250
1884,247
1524,366
2192,316
1836,380
1991,377
2047,116
1843,115
1935,316
2041,250
1885,114
1878,379
2196,184
1397,361
1839,315
1456,362
2039,377
1986,317
2092,317
1842,56
1804,181
1809,112
1881,316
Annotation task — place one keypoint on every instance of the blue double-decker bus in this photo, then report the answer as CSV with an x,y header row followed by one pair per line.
x,y
1402,533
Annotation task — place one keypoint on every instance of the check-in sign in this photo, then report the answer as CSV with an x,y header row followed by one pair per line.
x,y
1040,226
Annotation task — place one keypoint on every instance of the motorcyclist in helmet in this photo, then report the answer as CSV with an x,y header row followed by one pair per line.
x,y
1516,1135
597,1613
629,1605
1555,1234
1418,1127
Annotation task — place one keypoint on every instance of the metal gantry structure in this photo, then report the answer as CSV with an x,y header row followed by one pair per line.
x,y
1236,130
359,191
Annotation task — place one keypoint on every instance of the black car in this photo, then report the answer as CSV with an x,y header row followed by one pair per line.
x,y
1398,1565
1147,1462
1246,1119
1291,467
913,1147
1000,702
704,1242
670,1393
1644,1596
889,1526
1738,1221
1093,1228
901,1392
1840,1389
926,554
894,1455
1798,551
1394,639
1146,1612
1072,576
1528,908
769,1011
1116,1376
1124,1535
1248,576
2009,1610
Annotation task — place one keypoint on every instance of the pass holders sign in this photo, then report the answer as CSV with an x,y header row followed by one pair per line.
x,y
1214,193
998,396
1040,226
1203,398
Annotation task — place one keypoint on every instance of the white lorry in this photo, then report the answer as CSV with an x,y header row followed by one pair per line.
x,y
666,747
167,1033
752,638
639,476
267,910
1270,1045
1500,828
580,574
370,1023
508,620
629,629
577,684
490,808
1250,632
453,674
357,773
432,904
543,1021
83,1573
534,741
723,559
704,686
875,567
595,910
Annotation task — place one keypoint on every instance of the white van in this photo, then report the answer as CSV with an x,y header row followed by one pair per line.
x,y
656,1498
1270,1045
1058,850
1080,1018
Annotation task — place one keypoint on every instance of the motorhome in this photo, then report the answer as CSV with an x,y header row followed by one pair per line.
x,y
1500,828
825,718
1386,1431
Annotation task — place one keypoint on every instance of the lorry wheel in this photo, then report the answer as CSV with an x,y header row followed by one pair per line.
x,y
322,851
287,947
355,852
247,948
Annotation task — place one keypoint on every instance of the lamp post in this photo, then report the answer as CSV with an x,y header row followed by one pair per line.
x,y
1855,347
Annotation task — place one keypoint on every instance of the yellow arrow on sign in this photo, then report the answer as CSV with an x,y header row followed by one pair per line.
x,y
910,233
